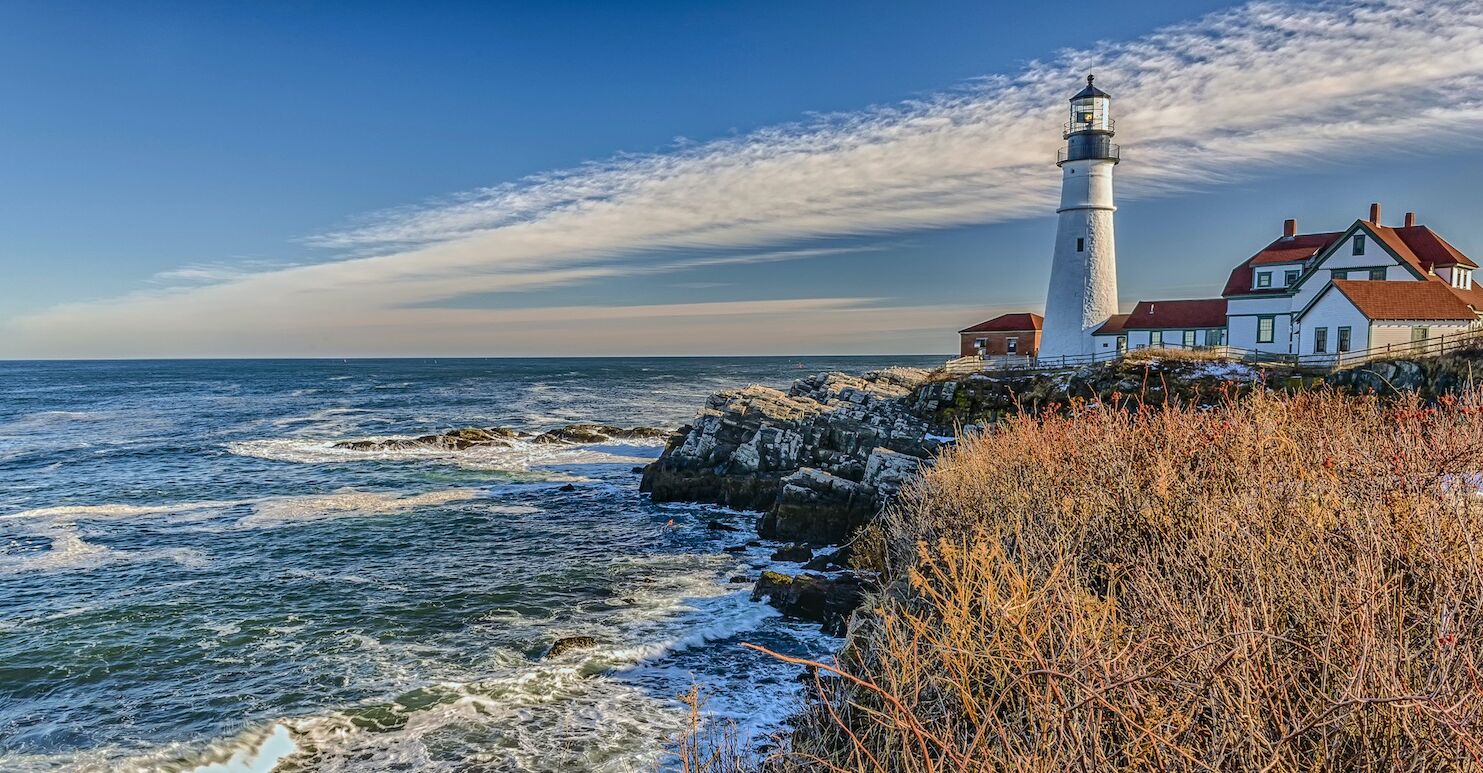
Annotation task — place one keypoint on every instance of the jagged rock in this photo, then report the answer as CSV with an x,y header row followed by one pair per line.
x,y
825,600
568,487
734,549
452,440
746,446
795,552
815,506
718,526
823,562
888,470
598,433
569,643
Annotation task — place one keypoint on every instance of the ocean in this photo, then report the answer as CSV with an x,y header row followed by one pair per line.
x,y
193,578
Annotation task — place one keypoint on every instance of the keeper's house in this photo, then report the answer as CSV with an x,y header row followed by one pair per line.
x,y
1368,285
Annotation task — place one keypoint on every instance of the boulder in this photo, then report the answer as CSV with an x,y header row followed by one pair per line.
x,y
795,552
828,601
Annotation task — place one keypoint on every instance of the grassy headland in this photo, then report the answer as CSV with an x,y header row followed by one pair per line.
x,y
1275,583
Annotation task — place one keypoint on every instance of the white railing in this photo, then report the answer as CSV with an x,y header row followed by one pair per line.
x,y
1427,347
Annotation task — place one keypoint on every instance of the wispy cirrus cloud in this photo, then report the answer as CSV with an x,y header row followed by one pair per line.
x,y
1230,95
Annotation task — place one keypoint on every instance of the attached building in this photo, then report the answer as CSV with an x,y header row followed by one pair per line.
x,y
1006,334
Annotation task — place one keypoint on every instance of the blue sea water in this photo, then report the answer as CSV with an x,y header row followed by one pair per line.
x,y
192,578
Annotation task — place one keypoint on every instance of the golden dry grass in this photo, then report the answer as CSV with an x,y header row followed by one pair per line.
x,y
1280,584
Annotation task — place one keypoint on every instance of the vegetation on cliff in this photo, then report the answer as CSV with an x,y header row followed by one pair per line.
x,y
1285,582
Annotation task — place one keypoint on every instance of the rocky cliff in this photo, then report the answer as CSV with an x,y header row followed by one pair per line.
x,y
817,459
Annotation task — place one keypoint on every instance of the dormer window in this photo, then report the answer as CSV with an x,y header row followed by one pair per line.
x,y
1462,278
1359,244
1264,279
1290,278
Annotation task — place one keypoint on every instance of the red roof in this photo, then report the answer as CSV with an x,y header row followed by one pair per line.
x,y
1295,249
1417,245
1405,299
1011,323
1162,315
1113,326
1421,247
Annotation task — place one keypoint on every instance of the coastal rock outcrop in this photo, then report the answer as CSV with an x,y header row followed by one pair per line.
x,y
801,456
570,643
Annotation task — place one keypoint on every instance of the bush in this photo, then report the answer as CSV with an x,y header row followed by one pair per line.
x,y
1280,584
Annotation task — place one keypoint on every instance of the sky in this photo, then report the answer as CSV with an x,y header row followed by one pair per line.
x,y
317,179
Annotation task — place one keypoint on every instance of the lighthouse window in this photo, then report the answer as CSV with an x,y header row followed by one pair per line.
x,y
1359,244
1081,244
1264,326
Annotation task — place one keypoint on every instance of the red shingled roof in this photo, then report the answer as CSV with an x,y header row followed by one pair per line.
x,y
1405,299
1156,315
1113,326
1417,245
1294,249
1012,323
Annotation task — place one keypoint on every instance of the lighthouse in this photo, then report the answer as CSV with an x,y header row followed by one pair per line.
x,y
1083,271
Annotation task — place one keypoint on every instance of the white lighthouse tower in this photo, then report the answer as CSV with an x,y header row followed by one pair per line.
x,y
1083,273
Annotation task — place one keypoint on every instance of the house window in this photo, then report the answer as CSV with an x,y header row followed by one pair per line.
x,y
1343,339
1340,274
1212,338
980,343
1290,278
1377,274
1320,340
1155,338
1359,244
1122,344
1081,244
1419,334
1264,279
1264,326
1012,345
1189,339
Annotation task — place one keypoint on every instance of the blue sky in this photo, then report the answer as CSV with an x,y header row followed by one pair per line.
x,y
320,179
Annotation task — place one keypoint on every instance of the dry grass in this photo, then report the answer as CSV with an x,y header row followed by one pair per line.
x,y
1280,584
1176,354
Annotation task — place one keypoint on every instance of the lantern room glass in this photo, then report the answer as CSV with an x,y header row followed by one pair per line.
x,y
1089,114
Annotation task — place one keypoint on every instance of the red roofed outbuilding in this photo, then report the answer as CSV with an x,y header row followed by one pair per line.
x,y
1006,334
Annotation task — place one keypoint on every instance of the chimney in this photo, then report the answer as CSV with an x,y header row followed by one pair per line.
x,y
1410,219
1289,228
1375,213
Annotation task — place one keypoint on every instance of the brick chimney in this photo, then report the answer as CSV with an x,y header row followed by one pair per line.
x,y
1410,219
1375,213
1289,228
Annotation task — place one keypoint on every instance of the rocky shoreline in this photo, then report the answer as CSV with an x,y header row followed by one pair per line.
x,y
820,459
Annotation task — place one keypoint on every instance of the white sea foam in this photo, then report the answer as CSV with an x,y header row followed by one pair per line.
x,y
69,551
107,511
279,511
517,457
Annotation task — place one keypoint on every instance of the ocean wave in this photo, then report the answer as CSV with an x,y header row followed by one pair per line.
x,y
516,457
280,511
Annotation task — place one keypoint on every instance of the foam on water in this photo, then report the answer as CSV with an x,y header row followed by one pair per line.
x,y
279,511
517,457
70,552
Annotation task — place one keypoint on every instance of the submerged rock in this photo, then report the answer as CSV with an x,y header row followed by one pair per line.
x,y
569,643
599,433
452,440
